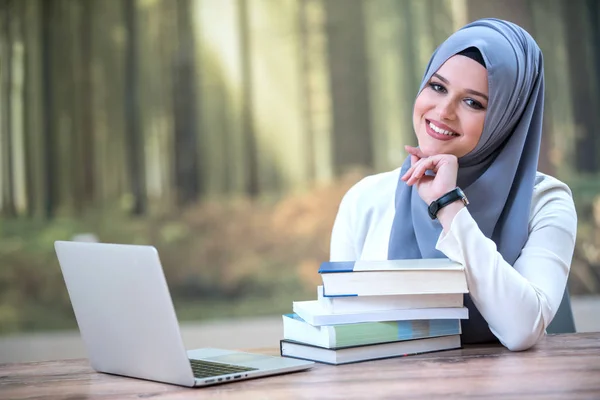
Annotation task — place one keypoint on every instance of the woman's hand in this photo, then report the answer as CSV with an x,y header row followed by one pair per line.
x,y
431,188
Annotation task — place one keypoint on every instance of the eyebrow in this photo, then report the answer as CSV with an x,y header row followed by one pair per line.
x,y
475,92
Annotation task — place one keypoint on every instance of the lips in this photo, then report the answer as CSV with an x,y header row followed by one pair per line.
x,y
439,132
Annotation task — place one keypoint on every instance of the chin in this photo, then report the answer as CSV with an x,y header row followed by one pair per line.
x,y
430,150
433,147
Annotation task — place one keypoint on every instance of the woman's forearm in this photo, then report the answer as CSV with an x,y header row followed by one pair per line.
x,y
516,307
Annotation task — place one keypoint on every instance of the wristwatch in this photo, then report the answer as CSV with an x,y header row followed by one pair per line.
x,y
450,197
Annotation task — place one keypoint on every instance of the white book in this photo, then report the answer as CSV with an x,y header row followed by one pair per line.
x,y
352,304
393,277
315,314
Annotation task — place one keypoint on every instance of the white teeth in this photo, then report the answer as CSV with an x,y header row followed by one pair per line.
x,y
442,131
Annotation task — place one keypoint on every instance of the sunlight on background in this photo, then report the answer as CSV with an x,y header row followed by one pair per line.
x,y
225,133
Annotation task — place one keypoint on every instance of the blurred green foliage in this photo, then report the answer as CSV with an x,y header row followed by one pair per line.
x,y
221,258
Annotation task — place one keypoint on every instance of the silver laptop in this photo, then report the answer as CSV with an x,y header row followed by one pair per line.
x,y
128,324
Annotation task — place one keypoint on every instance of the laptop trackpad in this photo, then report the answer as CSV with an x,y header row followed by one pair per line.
x,y
259,361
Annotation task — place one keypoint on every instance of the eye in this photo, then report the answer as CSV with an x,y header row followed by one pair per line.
x,y
437,87
474,104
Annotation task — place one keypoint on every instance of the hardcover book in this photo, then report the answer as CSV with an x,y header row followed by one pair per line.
x,y
353,304
363,333
393,277
315,314
345,355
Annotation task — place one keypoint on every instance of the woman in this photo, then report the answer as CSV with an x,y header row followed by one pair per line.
x,y
478,121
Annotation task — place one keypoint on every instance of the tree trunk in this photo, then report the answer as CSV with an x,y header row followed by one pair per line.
x,y
593,11
252,186
349,84
34,113
74,101
48,11
6,157
316,90
584,110
85,97
185,109
135,143
166,19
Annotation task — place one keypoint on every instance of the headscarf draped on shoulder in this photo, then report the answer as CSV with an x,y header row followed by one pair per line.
x,y
498,175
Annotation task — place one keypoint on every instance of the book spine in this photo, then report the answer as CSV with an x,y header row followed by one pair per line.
x,y
389,265
332,335
380,316
329,267
337,295
380,332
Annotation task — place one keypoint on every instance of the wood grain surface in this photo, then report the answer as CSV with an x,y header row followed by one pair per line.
x,y
558,367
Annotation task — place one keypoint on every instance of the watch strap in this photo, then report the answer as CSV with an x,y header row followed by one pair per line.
x,y
449,198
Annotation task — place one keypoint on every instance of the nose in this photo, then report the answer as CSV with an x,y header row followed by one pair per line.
x,y
447,110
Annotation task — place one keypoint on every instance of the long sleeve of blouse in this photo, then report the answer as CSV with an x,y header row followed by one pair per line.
x,y
517,301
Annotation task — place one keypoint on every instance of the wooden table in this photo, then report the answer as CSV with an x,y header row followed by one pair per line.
x,y
559,367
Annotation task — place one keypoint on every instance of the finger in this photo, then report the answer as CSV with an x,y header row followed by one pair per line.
x,y
414,151
424,179
408,173
420,169
414,178
414,174
415,161
414,155
418,165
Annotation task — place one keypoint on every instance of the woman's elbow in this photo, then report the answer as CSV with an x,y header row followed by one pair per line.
x,y
522,340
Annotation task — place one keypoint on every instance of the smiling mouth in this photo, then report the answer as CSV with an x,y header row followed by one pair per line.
x,y
439,130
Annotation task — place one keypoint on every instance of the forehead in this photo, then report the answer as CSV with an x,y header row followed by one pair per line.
x,y
463,72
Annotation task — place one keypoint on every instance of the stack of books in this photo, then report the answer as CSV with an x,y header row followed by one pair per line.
x,y
368,310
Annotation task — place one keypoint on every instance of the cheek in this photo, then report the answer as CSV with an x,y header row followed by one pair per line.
x,y
421,106
475,128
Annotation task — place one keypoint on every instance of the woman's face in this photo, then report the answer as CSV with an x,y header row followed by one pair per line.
x,y
449,112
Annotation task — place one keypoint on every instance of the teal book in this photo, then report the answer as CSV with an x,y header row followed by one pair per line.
x,y
365,333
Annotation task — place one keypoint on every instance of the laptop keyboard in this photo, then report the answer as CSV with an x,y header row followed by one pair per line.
x,y
205,369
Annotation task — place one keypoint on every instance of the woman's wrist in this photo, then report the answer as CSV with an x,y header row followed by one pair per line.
x,y
446,215
438,194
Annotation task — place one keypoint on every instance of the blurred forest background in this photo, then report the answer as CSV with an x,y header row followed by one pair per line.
x,y
225,132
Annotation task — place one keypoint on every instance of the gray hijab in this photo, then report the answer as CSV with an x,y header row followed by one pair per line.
x,y
499,174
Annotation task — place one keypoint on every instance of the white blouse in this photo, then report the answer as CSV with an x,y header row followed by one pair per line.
x,y
518,302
